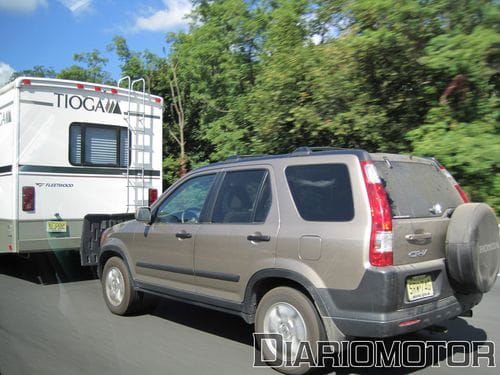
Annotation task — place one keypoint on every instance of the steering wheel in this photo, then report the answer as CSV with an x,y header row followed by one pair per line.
x,y
189,214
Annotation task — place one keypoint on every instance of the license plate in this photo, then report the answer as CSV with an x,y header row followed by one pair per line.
x,y
57,226
419,287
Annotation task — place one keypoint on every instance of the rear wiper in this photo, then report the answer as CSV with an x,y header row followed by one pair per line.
x,y
448,212
388,162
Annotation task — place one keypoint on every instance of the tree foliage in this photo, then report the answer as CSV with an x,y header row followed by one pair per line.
x,y
91,71
411,76
266,76
36,71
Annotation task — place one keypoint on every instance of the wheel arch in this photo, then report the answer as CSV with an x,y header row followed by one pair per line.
x,y
263,281
108,252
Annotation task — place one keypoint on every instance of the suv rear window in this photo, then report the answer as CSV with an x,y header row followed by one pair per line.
x,y
244,197
321,192
416,189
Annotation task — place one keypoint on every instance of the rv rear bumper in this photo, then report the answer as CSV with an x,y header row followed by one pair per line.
x,y
54,244
27,236
7,244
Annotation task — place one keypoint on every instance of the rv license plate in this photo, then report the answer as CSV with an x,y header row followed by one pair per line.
x,y
57,226
419,287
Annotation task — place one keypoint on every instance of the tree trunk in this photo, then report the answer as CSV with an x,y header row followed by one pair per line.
x,y
178,107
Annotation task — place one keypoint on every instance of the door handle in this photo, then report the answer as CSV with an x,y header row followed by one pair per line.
x,y
183,235
419,238
257,237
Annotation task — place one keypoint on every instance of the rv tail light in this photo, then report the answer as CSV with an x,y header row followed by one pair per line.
x,y
381,230
157,100
26,82
28,198
97,88
461,192
114,91
153,196
80,86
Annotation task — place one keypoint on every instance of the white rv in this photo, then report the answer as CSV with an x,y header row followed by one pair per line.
x,y
68,149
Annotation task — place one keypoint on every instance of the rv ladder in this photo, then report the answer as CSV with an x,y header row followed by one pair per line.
x,y
137,149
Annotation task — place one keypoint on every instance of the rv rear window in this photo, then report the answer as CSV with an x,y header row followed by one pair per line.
x,y
98,145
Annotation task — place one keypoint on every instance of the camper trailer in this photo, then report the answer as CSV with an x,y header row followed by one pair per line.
x,y
69,149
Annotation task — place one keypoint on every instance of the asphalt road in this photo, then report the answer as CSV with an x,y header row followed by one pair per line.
x,y
62,326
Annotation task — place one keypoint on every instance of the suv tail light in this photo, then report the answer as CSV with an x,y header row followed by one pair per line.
x,y
381,232
28,198
153,196
463,194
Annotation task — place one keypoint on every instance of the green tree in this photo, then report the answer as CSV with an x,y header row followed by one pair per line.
x,y
217,63
158,75
271,75
462,128
470,150
143,64
92,71
36,71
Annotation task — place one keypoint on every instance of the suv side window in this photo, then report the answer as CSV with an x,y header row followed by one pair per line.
x,y
321,192
185,204
244,197
264,203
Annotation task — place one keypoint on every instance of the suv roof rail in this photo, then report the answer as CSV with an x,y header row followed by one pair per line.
x,y
240,157
305,150
301,151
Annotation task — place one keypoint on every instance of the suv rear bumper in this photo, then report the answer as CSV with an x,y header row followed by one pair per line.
x,y
379,307
387,325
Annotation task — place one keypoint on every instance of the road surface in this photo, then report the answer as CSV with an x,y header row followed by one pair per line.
x,y
64,327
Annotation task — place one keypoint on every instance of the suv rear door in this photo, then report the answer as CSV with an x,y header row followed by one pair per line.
x,y
422,200
241,236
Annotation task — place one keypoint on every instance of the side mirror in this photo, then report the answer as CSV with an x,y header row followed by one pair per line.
x,y
143,214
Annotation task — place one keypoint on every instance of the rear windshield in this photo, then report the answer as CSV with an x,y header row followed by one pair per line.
x,y
417,189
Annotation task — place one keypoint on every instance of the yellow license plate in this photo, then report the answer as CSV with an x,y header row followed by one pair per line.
x,y
57,226
419,287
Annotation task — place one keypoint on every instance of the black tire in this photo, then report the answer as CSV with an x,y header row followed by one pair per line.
x,y
314,326
472,248
131,301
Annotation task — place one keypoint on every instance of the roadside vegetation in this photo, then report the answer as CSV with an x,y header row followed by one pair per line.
x,y
267,76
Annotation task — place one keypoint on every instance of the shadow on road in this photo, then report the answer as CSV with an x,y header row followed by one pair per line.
x,y
234,328
46,268
214,322
458,330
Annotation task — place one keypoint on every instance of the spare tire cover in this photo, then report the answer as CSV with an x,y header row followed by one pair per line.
x,y
473,248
